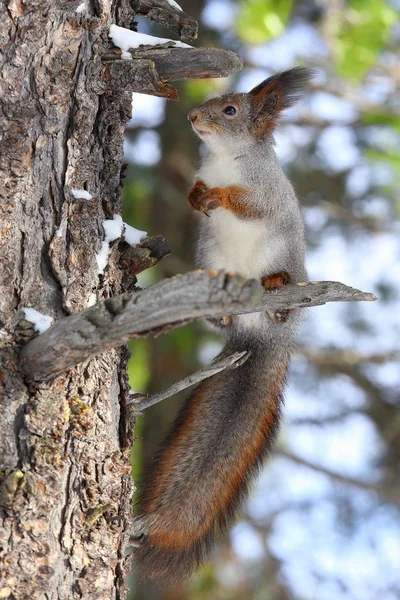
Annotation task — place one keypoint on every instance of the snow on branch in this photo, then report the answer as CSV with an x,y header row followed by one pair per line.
x,y
126,39
163,306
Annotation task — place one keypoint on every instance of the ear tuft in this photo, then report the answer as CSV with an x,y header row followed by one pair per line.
x,y
275,94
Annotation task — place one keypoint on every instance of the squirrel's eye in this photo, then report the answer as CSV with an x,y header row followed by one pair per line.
x,y
230,110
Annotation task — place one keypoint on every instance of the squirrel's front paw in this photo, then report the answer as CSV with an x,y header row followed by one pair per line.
x,y
196,193
203,199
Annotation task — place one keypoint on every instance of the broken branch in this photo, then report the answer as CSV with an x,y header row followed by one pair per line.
x,y
153,66
163,306
141,402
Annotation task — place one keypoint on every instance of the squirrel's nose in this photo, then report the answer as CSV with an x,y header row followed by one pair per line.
x,y
192,116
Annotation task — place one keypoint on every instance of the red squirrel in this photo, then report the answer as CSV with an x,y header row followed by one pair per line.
x,y
250,223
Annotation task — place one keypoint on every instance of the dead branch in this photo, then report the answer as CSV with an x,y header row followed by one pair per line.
x,y
153,67
136,259
141,402
165,305
135,76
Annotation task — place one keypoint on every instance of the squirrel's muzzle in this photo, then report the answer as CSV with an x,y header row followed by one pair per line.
x,y
192,116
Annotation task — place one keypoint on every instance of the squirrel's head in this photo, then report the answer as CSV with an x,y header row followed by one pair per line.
x,y
235,121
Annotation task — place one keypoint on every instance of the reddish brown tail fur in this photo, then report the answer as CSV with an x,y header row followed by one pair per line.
x,y
203,470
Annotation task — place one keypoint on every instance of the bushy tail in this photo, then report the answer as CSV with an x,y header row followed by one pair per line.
x,y
203,470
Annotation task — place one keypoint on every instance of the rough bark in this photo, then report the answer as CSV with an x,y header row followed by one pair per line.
x,y
65,474
66,484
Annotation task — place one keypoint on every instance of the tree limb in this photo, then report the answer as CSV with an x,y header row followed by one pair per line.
x,y
135,259
345,357
165,305
141,401
134,76
174,64
153,67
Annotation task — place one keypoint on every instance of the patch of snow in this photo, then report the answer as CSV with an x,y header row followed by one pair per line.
x,y
113,229
174,4
92,299
133,236
39,321
81,8
126,55
81,194
126,39
102,257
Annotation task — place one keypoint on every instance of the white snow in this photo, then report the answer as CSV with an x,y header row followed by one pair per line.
x,y
126,39
92,299
113,229
82,7
102,257
39,321
174,4
83,194
126,55
133,236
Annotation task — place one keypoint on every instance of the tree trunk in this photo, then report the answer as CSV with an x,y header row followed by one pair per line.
x,y
66,487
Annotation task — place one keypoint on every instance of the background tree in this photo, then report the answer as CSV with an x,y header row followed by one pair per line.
x,y
323,521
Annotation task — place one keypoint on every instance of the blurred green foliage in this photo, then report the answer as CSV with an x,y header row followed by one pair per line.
x,y
198,89
135,195
363,31
389,157
138,368
260,20
381,118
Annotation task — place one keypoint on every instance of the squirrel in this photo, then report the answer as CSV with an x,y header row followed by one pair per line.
x,y
250,223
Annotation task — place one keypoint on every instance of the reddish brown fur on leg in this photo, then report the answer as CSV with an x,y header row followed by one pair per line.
x,y
275,281
231,198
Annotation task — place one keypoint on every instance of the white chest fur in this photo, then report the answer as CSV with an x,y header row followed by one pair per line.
x,y
239,245
244,246
220,171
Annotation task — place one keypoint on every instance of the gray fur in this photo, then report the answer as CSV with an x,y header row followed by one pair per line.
x,y
232,404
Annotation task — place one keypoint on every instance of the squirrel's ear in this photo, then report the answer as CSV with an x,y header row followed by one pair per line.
x,y
275,94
